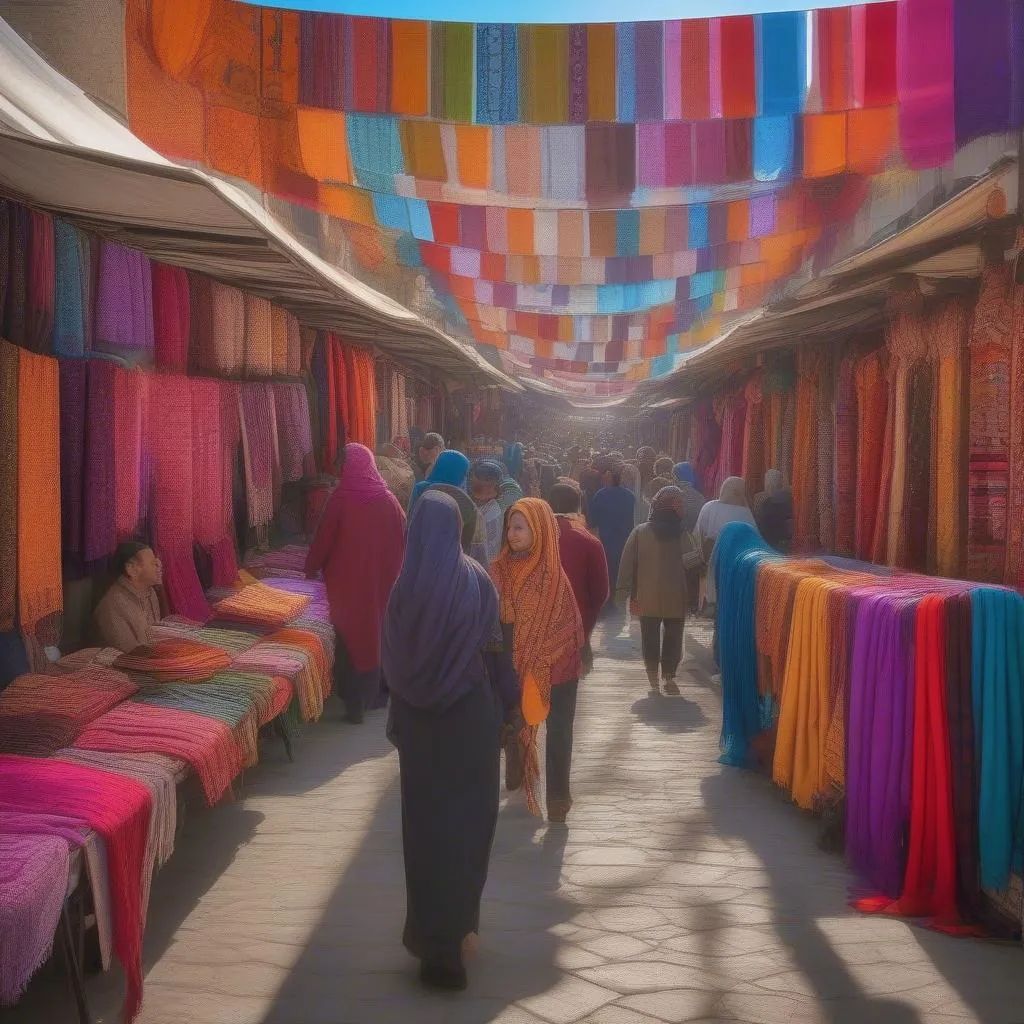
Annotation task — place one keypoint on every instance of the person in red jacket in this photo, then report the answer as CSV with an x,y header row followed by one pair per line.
x,y
583,560
359,545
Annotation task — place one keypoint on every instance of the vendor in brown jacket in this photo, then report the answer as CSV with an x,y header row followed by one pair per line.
x,y
131,606
652,577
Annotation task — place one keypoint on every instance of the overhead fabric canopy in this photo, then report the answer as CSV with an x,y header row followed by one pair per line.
x,y
585,202
63,153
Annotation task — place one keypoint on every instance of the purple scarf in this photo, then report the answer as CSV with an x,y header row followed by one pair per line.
x,y
443,611
880,738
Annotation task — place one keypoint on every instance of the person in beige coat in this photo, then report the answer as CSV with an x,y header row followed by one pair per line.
x,y
652,577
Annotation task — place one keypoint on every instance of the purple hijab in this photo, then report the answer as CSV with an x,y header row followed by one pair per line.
x,y
443,611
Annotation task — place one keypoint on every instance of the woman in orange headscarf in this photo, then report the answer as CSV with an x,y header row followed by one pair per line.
x,y
543,628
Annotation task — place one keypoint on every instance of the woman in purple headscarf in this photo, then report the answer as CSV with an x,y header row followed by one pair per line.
x,y
452,686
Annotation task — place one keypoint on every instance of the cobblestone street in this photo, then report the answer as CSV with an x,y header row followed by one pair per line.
x,y
680,891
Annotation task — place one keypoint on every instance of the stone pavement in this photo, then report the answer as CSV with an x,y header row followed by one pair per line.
x,y
680,891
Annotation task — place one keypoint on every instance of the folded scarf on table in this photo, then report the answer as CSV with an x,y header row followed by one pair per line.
x,y
160,775
207,744
298,657
119,810
318,607
230,641
262,606
33,884
174,660
39,714
292,557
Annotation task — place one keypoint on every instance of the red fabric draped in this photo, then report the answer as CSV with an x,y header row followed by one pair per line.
x,y
116,807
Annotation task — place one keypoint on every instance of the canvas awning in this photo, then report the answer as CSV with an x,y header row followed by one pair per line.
x,y
61,152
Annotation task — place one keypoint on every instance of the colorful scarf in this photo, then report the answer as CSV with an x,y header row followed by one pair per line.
x,y
40,586
360,479
99,488
872,406
71,303
208,745
124,300
171,317
115,807
174,660
131,482
171,446
261,606
9,409
40,294
295,440
33,884
262,460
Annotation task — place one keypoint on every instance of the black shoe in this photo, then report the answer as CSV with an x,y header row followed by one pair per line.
x,y
446,979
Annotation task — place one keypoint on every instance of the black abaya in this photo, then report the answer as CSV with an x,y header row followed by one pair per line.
x,y
450,778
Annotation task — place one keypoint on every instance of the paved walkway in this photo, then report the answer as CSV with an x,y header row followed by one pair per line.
x,y
681,891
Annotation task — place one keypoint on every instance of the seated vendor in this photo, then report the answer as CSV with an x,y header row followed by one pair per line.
x,y
128,609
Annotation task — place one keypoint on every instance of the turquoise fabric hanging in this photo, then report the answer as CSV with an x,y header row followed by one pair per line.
x,y
70,309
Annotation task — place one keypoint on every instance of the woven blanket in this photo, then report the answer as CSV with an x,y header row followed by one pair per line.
x,y
33,882
300,657
174,660
207,744
230,641
39,714
115,807
262,606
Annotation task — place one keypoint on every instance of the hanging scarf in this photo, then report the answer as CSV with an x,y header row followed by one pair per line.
x,y
846,458
70,303
537,600
738,557
259,444
73,378
124,300
131,399
172,316
15,307
259,336
872,406
40,586
171,444
41,283
8,484
805,459
989,443
295,439
115,807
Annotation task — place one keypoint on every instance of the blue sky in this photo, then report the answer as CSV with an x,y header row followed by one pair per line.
x,y
564,11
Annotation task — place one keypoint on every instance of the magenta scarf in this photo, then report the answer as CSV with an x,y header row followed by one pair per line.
x,y
360,479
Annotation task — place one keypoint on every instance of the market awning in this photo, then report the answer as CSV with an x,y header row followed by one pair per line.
x,y
61,152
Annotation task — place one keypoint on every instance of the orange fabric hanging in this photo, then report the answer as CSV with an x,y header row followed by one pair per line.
x,y
40,586
322,144
601,72
410,62
871,138
872,405
177,29
473,145
824,144
424,152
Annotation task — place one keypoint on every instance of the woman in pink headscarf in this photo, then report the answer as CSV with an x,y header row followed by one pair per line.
x,y
359,545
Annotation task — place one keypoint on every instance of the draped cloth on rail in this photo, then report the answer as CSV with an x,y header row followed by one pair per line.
x,y
171,445
40,586
119,810
1014,569
738,555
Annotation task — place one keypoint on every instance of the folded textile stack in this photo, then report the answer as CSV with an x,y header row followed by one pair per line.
x,y
174,660
262,606
39,714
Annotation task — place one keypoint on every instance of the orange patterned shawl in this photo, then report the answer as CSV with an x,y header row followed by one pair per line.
x,y
537,599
